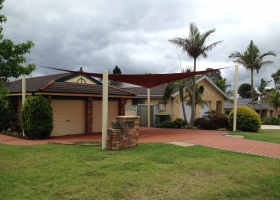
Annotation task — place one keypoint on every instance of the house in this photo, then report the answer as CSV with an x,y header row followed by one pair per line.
x,y
76,101
212,95
267,111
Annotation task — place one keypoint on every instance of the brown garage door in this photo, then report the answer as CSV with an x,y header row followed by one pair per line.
x,y
113,111
68,116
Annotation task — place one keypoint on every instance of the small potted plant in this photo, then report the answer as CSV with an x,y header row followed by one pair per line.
x,y
116,124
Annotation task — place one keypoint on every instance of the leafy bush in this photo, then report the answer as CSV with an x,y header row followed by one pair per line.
x,y
271,121
228,111
198,121
213,121
188,127
116,124
247,119
37,117
178,122
165,124
8,115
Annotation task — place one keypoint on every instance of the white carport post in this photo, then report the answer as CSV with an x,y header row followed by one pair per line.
x,y
235,98
23,90
104,109
149,110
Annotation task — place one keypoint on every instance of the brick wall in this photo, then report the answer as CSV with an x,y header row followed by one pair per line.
x,y
122,107
126,137
88,115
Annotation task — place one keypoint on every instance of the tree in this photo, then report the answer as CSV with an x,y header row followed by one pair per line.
x,y
116,70
263,92
11,55
181,85
198,94
195,47
276,78
244,91
213,75
252,60
222,84
274,101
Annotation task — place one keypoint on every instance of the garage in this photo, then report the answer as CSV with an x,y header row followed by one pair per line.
x,y
206,108
188,111
68,116
113,112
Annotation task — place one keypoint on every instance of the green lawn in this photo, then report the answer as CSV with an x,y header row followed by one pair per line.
x,y
149,171
261,135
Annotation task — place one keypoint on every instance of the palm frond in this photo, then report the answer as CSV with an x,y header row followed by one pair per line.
x,y
210,47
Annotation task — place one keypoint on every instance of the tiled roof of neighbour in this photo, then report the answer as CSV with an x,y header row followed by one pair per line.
x,y
62,87
35,83
245,102
48,84
139,91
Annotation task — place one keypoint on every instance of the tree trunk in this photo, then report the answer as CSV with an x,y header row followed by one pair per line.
x,y
193,96
184,112
252,90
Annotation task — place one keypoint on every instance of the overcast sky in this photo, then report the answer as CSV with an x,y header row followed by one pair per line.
x,y
133,34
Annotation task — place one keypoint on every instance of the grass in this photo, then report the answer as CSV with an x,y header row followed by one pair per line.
x,y
268,135
149,171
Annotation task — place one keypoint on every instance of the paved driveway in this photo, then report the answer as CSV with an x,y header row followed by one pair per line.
x,y
214,139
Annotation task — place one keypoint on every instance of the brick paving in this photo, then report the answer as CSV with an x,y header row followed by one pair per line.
x,y
213,139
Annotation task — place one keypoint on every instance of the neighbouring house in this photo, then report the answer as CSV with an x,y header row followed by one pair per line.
x,y
212,95
76,101
267,111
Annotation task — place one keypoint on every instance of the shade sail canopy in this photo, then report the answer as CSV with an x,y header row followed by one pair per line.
x,y
145,80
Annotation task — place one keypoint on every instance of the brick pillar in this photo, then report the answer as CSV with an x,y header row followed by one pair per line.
x,y
18,103
122,107
49,98
88,115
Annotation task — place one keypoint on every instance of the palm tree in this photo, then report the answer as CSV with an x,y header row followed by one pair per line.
x,y
198,94
252,60
224,86
195,47
263,92
181,85
274,101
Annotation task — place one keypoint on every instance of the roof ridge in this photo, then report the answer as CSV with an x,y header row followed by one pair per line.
x,y
121,89
47,85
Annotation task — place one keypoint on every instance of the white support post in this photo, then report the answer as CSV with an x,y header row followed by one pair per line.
x,y
149,110
23,91
235,98
104,109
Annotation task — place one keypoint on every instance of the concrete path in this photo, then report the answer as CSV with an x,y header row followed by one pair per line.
x,y
270,127
213,139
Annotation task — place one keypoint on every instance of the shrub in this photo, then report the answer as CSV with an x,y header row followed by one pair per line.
x,y
37,117
8,115
271,121
178,122
188,127
213,121
227,112
247,119
116,124
198,121
165,124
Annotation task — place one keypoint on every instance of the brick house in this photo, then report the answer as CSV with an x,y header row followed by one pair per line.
x,y
76,101
213,96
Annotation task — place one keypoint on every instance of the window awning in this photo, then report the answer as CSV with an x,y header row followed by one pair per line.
x,y
145,80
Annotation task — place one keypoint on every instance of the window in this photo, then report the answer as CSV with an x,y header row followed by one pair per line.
x,y
162,106
138,101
